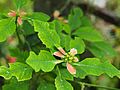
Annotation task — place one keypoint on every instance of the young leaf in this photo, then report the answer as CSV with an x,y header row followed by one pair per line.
x,y
21,71
58,26
93,66
65,41
49,37
5,72
39,16
86,22
44,61
67,28
20,3
75,18
62,84
88,33
7,28
78,44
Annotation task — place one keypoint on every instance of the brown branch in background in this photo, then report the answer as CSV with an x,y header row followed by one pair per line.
x,y
104,14
49,6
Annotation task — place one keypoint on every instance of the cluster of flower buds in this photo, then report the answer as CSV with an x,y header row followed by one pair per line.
x,y
10,59
56,14
68,58
20,14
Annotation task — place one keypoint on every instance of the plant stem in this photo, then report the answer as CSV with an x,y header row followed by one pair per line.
x,y
93,85
29,47
17,33
82,86
58,71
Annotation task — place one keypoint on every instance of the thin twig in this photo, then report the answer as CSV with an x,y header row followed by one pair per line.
x,y
98,86
65,5
82,86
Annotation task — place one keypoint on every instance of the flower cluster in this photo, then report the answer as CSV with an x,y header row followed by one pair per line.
x,y
11,59
68,58
56,15
14,14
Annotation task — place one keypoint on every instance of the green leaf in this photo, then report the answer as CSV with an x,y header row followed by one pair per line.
x,y
5,72
46,86
52,25
65,74
88,33
21,71
40,26
96,51
65,41
34,43
89,66
48,36
39,16
102,49
93,66
20,55
62,84
44,61
28,28
7,28
78,44
75,18
86,22
2,16
67,28
110,70
62,40
80,73
20,3
16,86
58,26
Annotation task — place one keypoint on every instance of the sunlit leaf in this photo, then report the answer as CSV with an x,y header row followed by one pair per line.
x,y
44,61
